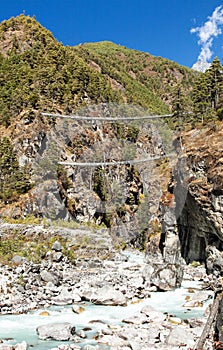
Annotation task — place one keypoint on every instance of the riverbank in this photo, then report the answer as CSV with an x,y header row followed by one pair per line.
x,y
98,300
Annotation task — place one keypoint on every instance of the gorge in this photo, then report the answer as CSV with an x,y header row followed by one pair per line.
x,y
76,194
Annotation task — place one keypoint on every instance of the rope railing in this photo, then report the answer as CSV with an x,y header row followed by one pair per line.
x,y
121,162
88,118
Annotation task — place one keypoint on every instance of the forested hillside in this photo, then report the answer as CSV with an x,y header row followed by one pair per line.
x,y
39,74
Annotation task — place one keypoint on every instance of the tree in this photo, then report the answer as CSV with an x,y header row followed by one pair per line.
x,y
207,93
215,82
201,96
13,181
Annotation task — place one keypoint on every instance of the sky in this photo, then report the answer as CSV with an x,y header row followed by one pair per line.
x,y
181,30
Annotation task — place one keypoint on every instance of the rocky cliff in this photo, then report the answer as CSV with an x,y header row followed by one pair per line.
x,y
200,222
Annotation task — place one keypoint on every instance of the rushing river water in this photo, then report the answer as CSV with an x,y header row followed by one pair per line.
x,y
23,327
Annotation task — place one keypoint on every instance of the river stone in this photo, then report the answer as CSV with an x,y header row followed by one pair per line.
x,y
153,315
197,300
180,336
81,333
167,276
49,277
21,346
17,259
57,256
56,331
64,298
6,347
174,320
57,246
108,295
77,309
114,340
136,319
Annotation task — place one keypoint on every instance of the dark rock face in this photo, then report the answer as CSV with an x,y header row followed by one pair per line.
x,y
200,223
194,231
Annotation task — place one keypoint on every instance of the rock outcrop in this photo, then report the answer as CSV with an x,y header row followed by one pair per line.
x,y
201,221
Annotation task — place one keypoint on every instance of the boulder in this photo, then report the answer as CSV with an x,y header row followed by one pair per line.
x,y
77,309
17,259
214,261
197,300
180,336
57,246
56,331
164,276
64,298
21,346
153,315
57,256
108,295
136,319
47,276
114,340
18,346
81,333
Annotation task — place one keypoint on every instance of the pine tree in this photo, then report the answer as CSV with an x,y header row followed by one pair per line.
x,y
215,82
207,93
201,97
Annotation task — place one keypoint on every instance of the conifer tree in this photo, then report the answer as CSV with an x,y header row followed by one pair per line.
x,y
215,82
207,93
201,97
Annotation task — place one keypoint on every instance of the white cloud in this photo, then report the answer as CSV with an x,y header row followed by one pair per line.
x,y
206,33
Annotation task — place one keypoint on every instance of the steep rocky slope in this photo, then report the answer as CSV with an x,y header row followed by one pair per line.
x,y
39,74
200,223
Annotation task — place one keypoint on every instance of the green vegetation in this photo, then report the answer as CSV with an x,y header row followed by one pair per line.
x,y
32,248
142,79
207,93
37,72
13,179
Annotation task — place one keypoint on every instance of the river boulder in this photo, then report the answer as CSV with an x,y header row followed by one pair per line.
x,y
108,295
56,331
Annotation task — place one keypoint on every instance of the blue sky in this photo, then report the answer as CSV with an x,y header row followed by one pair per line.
x,y
160,27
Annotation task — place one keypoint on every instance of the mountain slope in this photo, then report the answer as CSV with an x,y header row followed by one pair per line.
x,y
37,72
143,78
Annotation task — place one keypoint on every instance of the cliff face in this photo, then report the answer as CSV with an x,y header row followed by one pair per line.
x,y
201,220
122,195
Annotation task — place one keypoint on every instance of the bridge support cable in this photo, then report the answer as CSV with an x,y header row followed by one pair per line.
x,y
121,162
113,119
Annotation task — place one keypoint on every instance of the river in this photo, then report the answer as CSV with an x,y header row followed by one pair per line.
x,y
17,328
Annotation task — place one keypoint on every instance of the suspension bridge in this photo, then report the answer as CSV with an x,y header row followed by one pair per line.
x,y
111,119
115,119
